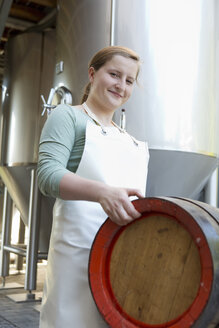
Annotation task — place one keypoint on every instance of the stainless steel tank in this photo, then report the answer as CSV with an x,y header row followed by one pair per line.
x,y
174,107
82,28
29,72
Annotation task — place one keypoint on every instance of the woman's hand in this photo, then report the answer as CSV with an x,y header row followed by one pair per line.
x,y
114,201
117,205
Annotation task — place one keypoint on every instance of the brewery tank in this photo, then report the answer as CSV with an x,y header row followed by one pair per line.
x,y
29,70
174,106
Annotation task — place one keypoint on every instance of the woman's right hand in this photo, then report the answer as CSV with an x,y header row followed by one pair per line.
x,y
117,205
114,201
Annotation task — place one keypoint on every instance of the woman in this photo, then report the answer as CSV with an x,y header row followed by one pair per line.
x,y
92,167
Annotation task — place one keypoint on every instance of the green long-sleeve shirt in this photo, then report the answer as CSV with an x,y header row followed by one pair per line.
x,y
61,146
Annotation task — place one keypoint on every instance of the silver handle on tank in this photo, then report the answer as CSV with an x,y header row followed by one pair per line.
x,y
47,107
64,97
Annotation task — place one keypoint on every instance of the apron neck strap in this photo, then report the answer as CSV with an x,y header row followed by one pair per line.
x,y
94,118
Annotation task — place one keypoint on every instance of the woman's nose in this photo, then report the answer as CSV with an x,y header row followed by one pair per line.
x,y
120,85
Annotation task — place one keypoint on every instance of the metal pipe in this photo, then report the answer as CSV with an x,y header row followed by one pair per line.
x,y
15,250
211,189
47,22
18,24
6,233
21,236
42,256
112,25
22,252
33,234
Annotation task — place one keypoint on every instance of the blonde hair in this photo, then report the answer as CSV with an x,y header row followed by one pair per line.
x,y
104,55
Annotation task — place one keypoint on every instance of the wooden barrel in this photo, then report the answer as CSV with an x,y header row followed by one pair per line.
x,y
161,270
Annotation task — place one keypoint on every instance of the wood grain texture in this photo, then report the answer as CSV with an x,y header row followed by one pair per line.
x,y
155,269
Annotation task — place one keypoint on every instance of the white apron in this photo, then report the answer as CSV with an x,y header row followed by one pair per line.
x,y
115,159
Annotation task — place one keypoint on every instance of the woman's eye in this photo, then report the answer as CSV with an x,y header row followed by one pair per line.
x,y
114,74
129,82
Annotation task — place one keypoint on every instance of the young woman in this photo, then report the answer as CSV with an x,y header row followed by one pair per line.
x,y
92,167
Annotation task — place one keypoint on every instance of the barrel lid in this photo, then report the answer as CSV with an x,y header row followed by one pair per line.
x,y
154,272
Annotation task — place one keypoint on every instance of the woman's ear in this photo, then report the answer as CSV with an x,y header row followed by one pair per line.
x,y
91,73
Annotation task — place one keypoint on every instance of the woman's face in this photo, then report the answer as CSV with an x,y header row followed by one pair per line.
x,y
112,84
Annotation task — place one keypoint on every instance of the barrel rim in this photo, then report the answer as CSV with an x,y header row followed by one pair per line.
x,y
98,266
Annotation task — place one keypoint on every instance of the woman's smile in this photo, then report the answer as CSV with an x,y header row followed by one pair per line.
x,y
116,94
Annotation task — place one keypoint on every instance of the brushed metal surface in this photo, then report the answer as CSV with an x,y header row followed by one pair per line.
x,y
29,73
178,173
20,110
174,108
83,27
